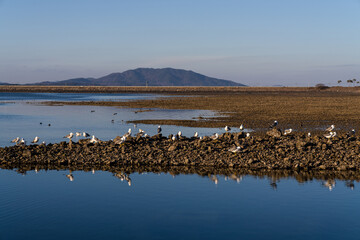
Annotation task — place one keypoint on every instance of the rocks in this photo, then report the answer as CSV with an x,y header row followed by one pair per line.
x,y
267,152
274,133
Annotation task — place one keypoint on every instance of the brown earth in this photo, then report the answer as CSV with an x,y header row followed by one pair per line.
x,y
303,109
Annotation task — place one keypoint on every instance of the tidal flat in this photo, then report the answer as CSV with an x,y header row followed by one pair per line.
x,y
302,109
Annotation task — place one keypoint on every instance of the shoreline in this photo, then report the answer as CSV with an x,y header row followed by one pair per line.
x,y
295,152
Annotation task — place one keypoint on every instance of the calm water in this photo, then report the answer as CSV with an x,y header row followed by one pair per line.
x,y
19,118
102,205
46,205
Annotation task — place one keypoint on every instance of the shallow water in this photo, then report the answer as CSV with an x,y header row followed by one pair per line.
x,y
46,205
19,118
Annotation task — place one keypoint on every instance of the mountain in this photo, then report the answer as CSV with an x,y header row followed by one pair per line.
x,y
147,76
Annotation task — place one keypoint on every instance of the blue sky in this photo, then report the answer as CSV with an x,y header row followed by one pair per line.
x,y
255,42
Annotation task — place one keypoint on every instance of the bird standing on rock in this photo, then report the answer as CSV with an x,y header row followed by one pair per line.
x,y
329,129
159,129
234,149
227,128
85,134
69,136
15,140
288,131
36,139
274,124
241,127
94,139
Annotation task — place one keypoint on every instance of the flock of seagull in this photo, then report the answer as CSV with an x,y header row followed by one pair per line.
x,y
329,133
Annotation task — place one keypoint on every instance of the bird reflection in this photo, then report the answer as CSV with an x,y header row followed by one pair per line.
x,y
123,176
70,176
350,184
330,184
273,182
214,178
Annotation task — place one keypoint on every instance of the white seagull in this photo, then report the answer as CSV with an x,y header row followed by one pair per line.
x,y
85,134
69,136
227,128
215,136
21,142
247,135
94,139
179,134
15,140
78,134
329,129
330,134
196,134
36,139
159,129
288,131
241,127
234,149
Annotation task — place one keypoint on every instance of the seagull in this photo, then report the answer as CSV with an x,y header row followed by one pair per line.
x,y
179,134
69,136
330,134
78,134
215,136
227,128
141,131
43,143
85,134
36,139
288,131
135,125
309,134
173,138
15,140
247,135
329,129
274,124
196,134
159,129
234,149
94,139
241,127
21,142
352,132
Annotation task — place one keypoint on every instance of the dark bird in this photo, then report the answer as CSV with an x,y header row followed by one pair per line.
x,y
274,124
159,129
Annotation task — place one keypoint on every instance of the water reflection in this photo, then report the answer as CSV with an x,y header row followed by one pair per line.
x,y
327,179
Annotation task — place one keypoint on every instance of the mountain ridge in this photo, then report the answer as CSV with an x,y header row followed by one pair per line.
x,y
146,77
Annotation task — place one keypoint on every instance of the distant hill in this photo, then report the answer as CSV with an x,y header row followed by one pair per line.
x,y
147,76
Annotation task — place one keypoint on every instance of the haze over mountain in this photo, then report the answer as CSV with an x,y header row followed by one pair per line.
x,y
147,76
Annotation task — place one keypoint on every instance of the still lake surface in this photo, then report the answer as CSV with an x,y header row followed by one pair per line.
x,y
101,205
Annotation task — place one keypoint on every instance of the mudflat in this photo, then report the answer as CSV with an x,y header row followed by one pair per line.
x,y
303,109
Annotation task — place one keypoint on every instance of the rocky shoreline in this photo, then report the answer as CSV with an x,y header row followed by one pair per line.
x,y
296,152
